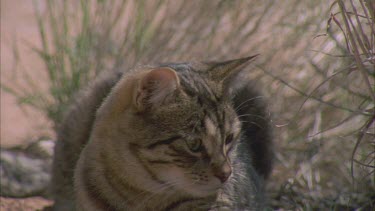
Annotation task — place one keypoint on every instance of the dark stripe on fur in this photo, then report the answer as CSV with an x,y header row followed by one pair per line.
x,y
163,142
92,192
183,154
159,162
134,150
114,176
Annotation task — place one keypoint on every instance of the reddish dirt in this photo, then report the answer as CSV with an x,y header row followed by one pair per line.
x,y
34,203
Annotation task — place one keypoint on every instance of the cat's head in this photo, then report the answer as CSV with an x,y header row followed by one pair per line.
x,y
179,122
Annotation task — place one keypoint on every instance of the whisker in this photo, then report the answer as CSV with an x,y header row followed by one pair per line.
x,y
153,194
254,123
255,115
155,189
247,101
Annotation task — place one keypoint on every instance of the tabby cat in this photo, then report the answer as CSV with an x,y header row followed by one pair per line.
x,y
181,136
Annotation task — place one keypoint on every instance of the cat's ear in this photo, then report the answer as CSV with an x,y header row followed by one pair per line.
x,y
156,88
228,74
222,71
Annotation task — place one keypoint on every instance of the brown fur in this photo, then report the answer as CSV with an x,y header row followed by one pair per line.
x,y
124,163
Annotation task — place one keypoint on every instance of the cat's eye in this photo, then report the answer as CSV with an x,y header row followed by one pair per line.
x,y
229,139
195,145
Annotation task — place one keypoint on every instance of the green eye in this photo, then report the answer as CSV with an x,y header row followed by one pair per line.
x,y
195,145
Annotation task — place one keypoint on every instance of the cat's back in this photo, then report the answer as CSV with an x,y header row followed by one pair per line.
x,y
73,134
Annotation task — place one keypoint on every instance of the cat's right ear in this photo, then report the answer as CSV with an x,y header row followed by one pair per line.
x,y
156,88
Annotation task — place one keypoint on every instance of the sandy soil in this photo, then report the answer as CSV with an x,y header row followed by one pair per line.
x,y
18,25
34,203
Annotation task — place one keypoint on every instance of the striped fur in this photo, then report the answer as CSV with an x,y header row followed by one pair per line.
x,y
164,138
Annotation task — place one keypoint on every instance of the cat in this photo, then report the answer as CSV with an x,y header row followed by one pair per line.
x,y
176,136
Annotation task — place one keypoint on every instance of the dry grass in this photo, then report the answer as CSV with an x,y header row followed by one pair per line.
x,y
316,67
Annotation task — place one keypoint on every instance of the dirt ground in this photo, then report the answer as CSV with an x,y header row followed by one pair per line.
x,y
34,203
18,25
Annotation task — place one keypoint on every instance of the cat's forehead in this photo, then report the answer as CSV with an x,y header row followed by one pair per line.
x,y
216,126
214,121
221,118
195,81
204,100
206,93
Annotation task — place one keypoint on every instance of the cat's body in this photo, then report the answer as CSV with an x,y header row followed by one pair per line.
x,y
173,137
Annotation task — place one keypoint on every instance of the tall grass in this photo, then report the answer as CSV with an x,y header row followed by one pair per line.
x,y
316,67
361,46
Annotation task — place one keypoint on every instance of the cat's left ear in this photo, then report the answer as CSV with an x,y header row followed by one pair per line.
x,y
227,72
156,88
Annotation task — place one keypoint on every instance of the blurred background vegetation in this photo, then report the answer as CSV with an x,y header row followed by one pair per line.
x,y
316,67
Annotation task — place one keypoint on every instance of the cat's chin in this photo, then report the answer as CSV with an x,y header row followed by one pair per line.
x,y
185,185
202,190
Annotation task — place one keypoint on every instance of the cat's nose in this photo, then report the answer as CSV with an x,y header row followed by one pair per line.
x,y
223,172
